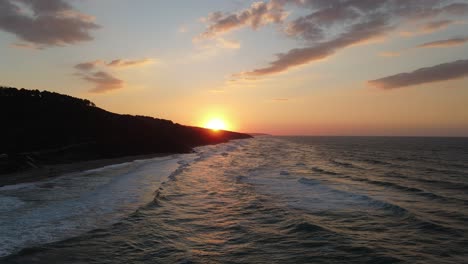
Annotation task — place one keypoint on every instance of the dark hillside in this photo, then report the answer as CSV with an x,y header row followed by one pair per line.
x,y
47,128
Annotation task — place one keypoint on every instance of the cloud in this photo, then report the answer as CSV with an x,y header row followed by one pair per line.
x,y
359,33
457,41
436,25
22,45
104,82
459,9
45,23
280,99
209,48
227,44
442,72
389,54
430,27
119,63
87,66
329,26
218,43
258,14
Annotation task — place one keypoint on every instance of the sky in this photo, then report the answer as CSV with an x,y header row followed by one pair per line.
x,y
284,67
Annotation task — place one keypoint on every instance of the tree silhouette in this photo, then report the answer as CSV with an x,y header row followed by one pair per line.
x,y
56,128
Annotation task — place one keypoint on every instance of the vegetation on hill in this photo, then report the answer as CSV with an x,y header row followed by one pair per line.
x,y
41,127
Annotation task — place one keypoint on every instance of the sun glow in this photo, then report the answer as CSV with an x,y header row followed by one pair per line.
x,y
216,124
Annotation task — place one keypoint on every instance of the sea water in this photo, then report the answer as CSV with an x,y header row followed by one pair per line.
x,y
261,200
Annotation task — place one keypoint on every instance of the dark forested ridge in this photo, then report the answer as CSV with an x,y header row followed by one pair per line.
x,y
40,127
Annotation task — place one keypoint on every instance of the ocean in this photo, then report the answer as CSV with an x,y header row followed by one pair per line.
x,y
261,200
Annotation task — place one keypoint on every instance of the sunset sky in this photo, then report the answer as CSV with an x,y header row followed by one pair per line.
x,y
302,67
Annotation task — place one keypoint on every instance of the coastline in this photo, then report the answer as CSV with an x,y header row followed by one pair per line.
x,y
52,171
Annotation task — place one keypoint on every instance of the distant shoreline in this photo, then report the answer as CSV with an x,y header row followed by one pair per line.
x,y
51,171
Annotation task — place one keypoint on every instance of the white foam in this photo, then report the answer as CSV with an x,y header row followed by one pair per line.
x,y
69,205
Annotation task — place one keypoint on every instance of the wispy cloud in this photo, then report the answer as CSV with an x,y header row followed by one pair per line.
x,y
255,16
429,27
45,23
87,66
457,41
92,71
436,25
389,54
280,99
26,45
227,44
204,49
258,14
358,34
213,46
330,25
119,63
103,81
442,72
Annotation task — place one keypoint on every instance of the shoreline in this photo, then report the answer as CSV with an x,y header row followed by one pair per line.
x,y
52,171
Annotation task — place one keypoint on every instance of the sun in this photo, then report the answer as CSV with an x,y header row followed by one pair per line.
x,y
216,124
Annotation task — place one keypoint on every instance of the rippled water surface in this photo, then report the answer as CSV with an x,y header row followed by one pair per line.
x,y
262,200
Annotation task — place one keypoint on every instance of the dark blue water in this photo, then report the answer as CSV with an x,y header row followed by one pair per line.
x,y
263,200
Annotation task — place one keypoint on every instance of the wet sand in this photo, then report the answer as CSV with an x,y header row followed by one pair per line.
x,y
51,171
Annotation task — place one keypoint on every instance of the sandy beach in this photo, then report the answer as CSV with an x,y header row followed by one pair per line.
x,y
50,171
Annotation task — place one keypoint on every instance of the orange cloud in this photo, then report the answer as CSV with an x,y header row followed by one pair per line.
x,y
429,27
445,43
389,54
436,25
